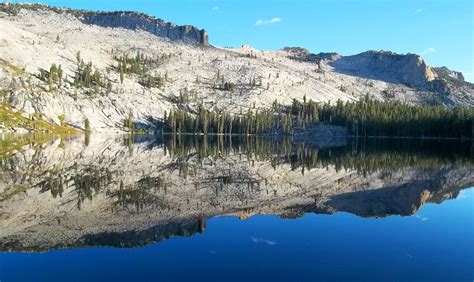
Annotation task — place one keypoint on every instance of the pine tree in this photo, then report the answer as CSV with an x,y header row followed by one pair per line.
x,y
87,127
121,75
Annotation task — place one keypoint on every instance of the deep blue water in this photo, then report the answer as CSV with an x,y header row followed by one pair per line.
x,y
436,244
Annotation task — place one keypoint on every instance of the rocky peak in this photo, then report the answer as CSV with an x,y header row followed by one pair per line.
x,y
296,50
303,54
330,57
409,69
445,72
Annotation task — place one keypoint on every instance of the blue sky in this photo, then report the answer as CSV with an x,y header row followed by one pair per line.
x,y
439,30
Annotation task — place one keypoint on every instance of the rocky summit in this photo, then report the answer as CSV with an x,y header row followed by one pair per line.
x,y
66,66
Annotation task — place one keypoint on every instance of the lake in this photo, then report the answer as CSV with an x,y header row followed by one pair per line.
x,y
240,208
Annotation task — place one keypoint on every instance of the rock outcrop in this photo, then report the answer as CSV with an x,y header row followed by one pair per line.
x,y
158,27
330,57
409,69
303,54
445,72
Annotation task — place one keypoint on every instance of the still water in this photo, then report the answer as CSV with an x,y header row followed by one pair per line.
x,y
115,208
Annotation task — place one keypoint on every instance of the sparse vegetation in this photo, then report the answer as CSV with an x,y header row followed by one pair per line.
x,y
53,77
151,81
14,119
87,125
61,119
129,124
88,77
138,64
15,142
228,86
16,70
184,95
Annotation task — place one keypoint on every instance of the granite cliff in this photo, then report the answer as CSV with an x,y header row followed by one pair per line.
x,y
409,69
158,27
121,19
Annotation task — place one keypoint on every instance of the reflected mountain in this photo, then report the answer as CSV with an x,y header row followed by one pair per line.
x,y
125,192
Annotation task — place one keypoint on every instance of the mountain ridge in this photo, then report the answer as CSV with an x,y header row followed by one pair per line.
x,y
190,72
125,19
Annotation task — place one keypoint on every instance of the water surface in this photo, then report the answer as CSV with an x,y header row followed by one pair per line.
x,y
115,208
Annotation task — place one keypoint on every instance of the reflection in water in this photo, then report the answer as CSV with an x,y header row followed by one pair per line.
x,y
140,195
122,191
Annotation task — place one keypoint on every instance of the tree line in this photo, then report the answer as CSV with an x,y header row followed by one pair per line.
x,y
216,122
363,118
369,117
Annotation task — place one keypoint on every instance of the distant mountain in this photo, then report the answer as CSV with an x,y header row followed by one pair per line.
x,y
142,67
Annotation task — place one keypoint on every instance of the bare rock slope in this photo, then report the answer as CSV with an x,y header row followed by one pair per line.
x,y
190,72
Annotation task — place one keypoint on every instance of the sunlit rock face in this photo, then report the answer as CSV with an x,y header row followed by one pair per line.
x,y
112,190
408,69
445,72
